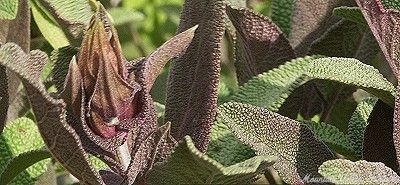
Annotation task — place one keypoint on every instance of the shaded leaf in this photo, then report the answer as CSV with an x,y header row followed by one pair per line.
x,y
299,152
21,162
332,136
282,14
59,137
310,20
13,141
358,122
193,77
261,45
341,171
61,58
350,13
8,9
225,147
187,165
393,4
384,25
378,136
122,16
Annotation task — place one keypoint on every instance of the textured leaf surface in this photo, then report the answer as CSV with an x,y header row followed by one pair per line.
x,y
48,27
311,18
21,162
332,136
187,165
299,152
378,136
350,13
225,147
122,16
59,137
282,14
384,24
8,9
277,84
260,44
193,77
13,141
358,122
341,171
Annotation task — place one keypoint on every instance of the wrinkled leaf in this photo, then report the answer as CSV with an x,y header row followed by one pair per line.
x,y
122,16
332,136
350,13
13,142
342,171
193,77
378,136
384,24
21,162
393,4
59,137
282,14
299,152
8,9
225,147
187,165
358,122
311,18
260,45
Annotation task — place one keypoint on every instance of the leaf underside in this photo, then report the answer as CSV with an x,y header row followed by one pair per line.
x,y
299,152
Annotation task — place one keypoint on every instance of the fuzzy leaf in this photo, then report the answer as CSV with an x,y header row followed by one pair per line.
x,y
21,162
72,16
187,165
261,45
59,137
225,148
61,58
299,152
282,14
13,142
123,16
154,63
332,136
342,171
378,136
193,78
3,97
358,122
350,13
50,30
8,9
311,18
384,24
392,4
396,125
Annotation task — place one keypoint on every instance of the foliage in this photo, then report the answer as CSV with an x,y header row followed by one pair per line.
x,y
303,88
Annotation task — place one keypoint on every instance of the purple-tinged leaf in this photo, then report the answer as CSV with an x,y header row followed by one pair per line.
x,y
378,136
17,31
384,24
154,63
396,126
260,46
193,77
59,137
299,152
311,18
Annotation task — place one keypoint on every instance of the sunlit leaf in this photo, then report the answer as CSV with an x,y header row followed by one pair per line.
x,y
299,152
8,9
341,171
187,165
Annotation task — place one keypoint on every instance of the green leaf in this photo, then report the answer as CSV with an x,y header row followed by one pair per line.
x,y
341,171
8,9
122,16
332,136
350,13
14,142
21,162
225,147
299,152
50,30
282,14
358,123
187,165
392,4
